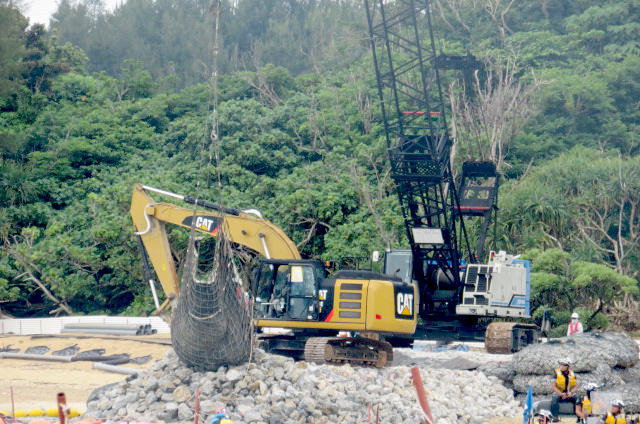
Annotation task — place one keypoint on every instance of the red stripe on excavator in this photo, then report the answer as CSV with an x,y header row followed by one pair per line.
x,y
215,231
328,318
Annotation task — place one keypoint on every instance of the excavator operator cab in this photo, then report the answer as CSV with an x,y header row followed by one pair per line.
x,y
287,289
399,263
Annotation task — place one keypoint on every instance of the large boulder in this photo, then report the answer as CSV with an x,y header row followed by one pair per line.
x,y
630,396
541,384
543,358
620,346
602,376
503,370
628,375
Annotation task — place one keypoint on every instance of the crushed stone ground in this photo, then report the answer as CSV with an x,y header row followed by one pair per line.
x,y
36,384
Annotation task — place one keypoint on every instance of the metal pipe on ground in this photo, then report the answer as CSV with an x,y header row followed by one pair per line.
x,y
118,361
116,369
103,331
34,357
165,342
101,326
109,360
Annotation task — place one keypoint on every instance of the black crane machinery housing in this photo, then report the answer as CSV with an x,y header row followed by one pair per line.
x,y
457,300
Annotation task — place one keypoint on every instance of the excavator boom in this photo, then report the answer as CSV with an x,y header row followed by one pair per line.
x,y
149,219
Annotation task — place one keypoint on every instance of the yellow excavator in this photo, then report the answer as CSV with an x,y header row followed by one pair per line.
x,y
286,291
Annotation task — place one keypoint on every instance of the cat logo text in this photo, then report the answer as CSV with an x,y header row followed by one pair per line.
x,y
209,224
206,224
404,304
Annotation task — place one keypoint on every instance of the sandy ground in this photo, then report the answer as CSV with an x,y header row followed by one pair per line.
x,y
36,384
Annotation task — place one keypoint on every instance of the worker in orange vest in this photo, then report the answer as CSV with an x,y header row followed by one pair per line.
x,y
575,326
615,414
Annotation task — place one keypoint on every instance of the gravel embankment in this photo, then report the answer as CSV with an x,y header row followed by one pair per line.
x,y
608,359
275,389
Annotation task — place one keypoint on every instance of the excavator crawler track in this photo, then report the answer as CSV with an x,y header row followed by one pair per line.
x,y
355,351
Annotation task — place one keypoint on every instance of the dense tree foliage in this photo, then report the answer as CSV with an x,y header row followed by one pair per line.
x,y
105,100
599,293
175,37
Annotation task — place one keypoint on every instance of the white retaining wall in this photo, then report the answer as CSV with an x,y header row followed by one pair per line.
x,y
28,326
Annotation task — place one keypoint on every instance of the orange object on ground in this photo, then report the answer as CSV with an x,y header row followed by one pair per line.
x,y
63,411
422,394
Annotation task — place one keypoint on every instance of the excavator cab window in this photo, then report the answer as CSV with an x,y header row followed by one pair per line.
x,y
303,292
303,282
399,263
288,290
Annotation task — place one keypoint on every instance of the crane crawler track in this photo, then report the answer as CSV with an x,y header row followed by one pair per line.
x,y
354,350
509,337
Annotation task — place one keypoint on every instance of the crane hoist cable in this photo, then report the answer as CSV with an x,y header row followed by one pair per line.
x,y
212,323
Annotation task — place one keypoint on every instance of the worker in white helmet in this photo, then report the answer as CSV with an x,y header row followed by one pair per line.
x,y
575,326
564,387
544,416
615,414
584,407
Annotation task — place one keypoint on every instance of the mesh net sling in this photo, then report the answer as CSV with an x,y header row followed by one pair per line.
x,y
211,324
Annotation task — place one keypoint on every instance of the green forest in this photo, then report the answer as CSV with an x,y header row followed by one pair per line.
x,y
100,100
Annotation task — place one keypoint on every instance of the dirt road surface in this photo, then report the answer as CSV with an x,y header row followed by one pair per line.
x,y
36,384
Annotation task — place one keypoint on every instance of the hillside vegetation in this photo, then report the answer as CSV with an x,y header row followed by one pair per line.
x,y
103,100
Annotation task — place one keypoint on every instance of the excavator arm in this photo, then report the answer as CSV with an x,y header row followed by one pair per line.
x,y
150,218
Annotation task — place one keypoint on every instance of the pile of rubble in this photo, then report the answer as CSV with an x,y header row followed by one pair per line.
x,y
609,360
275,389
